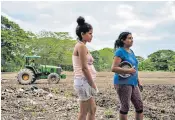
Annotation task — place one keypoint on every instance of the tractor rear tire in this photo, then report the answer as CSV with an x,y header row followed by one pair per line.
x,y
26,76
53,78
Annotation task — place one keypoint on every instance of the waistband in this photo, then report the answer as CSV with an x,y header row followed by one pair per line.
x,y
80,80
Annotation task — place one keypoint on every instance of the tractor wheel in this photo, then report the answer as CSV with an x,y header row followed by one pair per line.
x,y
26,76
53,78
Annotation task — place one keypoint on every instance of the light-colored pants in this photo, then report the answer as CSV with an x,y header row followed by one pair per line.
x,y
83,89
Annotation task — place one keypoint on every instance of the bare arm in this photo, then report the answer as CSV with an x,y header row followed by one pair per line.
x,y
140,85
115,67
82,50
139,81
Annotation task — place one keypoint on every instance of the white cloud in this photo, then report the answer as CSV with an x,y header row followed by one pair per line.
x,y
125,12
108,19
146,37
94,23
45,16
131,19
43,5
25,25
172,7
168,12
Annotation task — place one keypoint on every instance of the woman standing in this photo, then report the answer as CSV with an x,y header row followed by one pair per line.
x,y
84,71
127,88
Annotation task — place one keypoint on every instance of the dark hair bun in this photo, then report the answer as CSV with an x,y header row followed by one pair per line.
x,y
80,20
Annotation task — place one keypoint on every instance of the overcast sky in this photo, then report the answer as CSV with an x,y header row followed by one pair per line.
x,y
151,23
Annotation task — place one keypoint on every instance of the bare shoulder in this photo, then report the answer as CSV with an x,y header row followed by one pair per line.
x,y
80,49
81,46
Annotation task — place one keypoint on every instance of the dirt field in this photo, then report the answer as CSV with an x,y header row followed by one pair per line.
x,y
42,101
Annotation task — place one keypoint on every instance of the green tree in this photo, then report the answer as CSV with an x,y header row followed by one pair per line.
x,y
96,55
146,65
13,43
161,59
171,64
56,51
140,59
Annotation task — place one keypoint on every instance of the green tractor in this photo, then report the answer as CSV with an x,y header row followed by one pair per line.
x,y
34,71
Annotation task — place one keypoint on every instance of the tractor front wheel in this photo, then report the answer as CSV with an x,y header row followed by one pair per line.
x,y
25,76
53,78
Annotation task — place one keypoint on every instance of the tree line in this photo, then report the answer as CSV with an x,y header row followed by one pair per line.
x,y
55,48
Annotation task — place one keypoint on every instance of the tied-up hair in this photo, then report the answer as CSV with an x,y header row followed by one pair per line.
x,y
119,42
82,27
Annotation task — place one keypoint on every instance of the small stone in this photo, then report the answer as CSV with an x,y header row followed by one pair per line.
x,y
162,111
2,98
7,90
19,96
21,90
65,115
49,96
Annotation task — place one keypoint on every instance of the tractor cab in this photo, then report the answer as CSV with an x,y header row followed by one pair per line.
x,y
32,60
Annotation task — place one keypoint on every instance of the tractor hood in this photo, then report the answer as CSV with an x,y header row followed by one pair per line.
x,y
49,66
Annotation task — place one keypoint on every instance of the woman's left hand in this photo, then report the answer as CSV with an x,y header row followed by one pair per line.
x,y
140,86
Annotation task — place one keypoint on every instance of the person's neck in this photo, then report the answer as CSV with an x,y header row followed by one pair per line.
x,y
84,42
127,48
